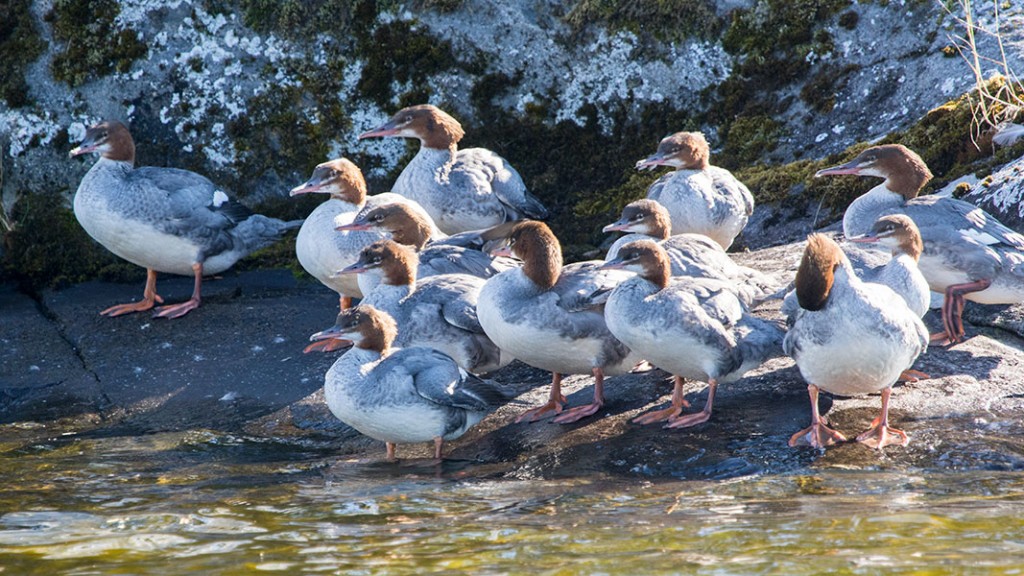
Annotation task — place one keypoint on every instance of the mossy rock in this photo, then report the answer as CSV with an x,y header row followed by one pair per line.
x,y
20,44
93,44
48,248
667,20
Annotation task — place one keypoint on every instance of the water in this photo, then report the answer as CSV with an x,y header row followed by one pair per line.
x,y
210,503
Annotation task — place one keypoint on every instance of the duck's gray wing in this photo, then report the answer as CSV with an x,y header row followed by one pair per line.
x,y
455,295
932,213
438,259
192,207
726,184
758,340
437,378
580,282
504,180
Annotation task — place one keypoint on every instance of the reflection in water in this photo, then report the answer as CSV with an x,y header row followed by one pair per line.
x,y
210,503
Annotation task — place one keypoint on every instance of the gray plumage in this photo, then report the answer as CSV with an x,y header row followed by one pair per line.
x,y
555,329
166,219
694,328
697,256
411,395
440,312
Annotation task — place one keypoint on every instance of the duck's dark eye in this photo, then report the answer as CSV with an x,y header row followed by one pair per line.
x,y
378,218
104,135
407,119
376,260
637,217
511,242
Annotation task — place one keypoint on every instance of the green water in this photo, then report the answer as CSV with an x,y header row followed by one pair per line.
x,y
208,503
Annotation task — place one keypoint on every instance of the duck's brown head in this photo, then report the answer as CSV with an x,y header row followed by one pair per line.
x,y
645,257
816,275
433,127
533,243
405,224
682,151
364,326
904,171
111,139
643,217
340,178
397,264
898,232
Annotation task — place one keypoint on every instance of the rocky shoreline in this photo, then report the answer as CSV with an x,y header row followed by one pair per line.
x,y
236,366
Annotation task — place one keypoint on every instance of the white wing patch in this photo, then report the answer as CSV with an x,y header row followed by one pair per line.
x,y
219,198
980,236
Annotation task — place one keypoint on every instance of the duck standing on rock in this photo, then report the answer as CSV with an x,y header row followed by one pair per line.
x,y
438,312
436,255
163,219
540,315
462,190
320,248
849,337
693,255
401,395
691,327
701,198
968,254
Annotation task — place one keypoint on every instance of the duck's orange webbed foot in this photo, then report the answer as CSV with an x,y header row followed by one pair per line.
x,y
688,420
176,310
817,435
578,413
140,306
880,435
661,415
911,375
533,414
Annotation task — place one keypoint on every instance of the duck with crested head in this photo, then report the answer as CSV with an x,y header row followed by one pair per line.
x,y
437,253
321,249
690,327
401,395
967,253
163,219
461,189
540,315
849,337
438,312
693,255
701,198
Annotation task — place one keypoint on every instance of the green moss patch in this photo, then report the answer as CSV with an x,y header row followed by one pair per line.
x,y
771,43
20,44
93,45
48,248
664,19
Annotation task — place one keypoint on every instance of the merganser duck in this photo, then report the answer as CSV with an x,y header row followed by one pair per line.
x,y
322,250
462,190
849,337
693,255
968,254
899,233
539,315
436,255
438,312
401,395
163,219
691,327
701,198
